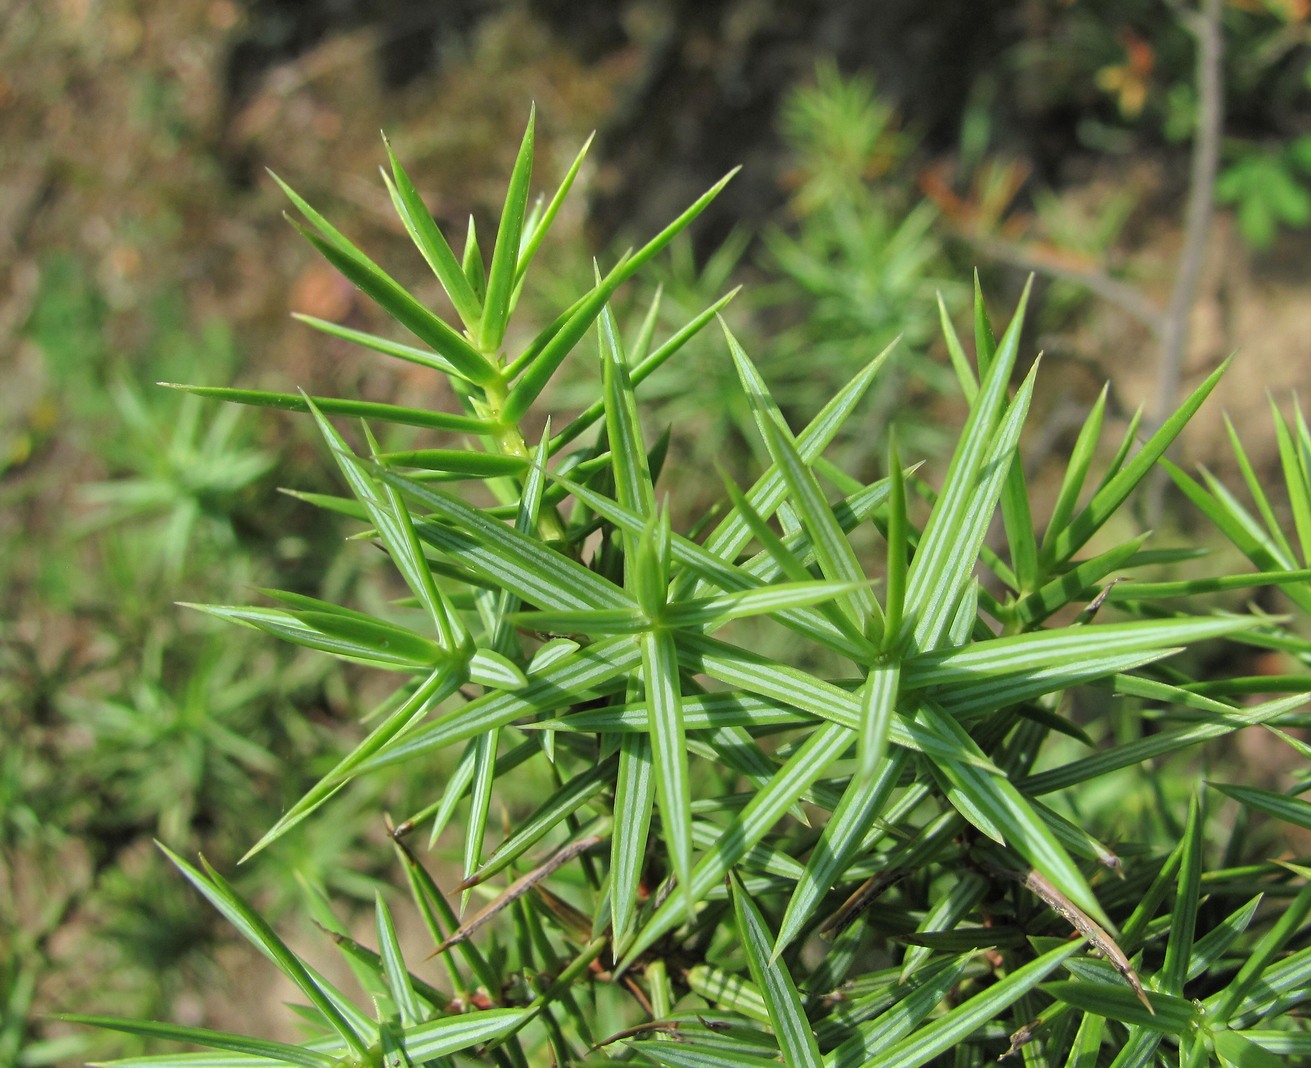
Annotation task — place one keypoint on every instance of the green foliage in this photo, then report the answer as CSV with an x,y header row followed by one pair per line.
x,y
1123,79
1267,59
854,262
872,852
859,266
1267,186
121,721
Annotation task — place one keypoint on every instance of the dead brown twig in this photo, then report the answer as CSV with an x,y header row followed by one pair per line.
x,y
515,890
1038,884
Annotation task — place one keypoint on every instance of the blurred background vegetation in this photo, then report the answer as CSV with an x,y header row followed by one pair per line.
x,y
888,149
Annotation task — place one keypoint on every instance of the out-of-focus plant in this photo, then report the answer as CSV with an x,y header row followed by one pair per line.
x,y
121,722
191,471
1141,61
860,263
176,747
856,261
1268,189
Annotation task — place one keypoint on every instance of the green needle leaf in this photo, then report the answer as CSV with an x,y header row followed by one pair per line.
x,y
948,548
951,1028
1238,1049
396,529
837,559
796,1040
1017,518
378,344
713,571
1172,1016
430,241
515,561
1214,724
545,363
823,746
1107,500
349,635
432,691
634,802
393,965
563,805
594,670
391,296
985,341
1282,807
471,263
543,224
991,662
712,612
688,1055
491,669
912,1002
480,797
1253,481
898,540
770,490
277,1052
383,413
1076,471
960,363
646,366
1000,811
1295,458
878,705
1224,1004
257,931
660,677
442,1038
456,463
505,256
633,487
1079,583
1183,920
861,804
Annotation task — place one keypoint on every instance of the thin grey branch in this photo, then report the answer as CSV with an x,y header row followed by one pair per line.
x,y
1205,26
1124,296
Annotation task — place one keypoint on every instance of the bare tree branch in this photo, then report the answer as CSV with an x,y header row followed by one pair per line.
x,y
1112,290
1205,26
